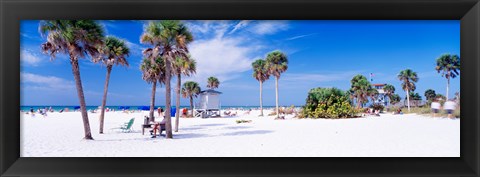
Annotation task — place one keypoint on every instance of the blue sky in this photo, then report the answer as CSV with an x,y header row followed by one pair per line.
x,y
320,54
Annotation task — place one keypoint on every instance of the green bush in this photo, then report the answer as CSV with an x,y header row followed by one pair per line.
x,y
327,103
377,106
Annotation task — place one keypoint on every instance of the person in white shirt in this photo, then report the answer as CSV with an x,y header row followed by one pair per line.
x,y
435,107
449,107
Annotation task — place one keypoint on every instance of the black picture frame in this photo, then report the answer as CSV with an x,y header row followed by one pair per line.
x,y
12,11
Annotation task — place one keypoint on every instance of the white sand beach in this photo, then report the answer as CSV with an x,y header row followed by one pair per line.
x,y
409,135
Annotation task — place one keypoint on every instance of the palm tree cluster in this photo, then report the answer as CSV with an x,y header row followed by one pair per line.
x,y
274,65
168,40
167,56
361,90
79,39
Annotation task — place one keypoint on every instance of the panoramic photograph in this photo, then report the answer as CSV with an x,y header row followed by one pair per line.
x,y
240,88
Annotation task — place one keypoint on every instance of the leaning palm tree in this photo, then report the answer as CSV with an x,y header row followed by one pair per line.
x,y
167,39
276,64
408,78
260,73
114,53
213,82
449,65
361,89
190,89
389,91
182,66
153,72
75,38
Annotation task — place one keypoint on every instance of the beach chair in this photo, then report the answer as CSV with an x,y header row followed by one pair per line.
x,y
127,127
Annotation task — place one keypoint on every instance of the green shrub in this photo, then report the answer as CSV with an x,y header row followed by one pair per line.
x,y
328,103
377,106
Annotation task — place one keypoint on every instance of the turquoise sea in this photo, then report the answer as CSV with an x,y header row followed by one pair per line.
x,y
58,108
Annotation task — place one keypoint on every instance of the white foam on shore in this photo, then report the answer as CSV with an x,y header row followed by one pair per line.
x,y
60,135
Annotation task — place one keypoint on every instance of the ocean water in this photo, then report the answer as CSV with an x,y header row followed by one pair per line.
x,y
58,108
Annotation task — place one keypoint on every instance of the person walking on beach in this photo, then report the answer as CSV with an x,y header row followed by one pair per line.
x,y
449,107
435,107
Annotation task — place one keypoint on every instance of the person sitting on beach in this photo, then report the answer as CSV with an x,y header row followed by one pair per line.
x,y
227,113
435,107
157,125
449,107
61,110
184,112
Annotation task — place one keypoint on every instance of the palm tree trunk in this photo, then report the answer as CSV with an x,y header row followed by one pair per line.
x,y
104,100
408,100
276,96
191,104
81,98
152,101
261,100
177,101
168,98
448,86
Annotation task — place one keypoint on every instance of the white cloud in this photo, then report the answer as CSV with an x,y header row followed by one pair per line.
x,y
224,58
29,58
302,77
240,25
39,82
299,36
269,27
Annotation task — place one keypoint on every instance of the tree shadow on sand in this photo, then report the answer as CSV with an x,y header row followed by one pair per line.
x,y
253,132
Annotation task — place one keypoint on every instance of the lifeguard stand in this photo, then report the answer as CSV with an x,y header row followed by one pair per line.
x,y
208,104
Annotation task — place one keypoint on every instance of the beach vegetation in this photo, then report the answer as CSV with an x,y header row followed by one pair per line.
x,y
408,79
115,52
276,64
361,90
153,72
377,106
77,39
389,91
449,66
394,99
190,89
186,66
260,73
213,82
328,103
168,39
430,95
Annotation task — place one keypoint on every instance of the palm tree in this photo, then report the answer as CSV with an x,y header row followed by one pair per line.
x,y
408,78
430,94
190,89
394,99
213,82
449,65
260,73
153,72
389,91
182,66
76,38
115,52
168,39
276,63
361,89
